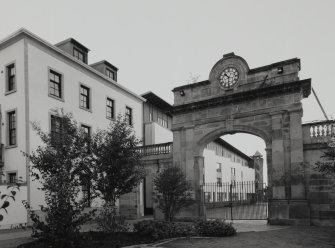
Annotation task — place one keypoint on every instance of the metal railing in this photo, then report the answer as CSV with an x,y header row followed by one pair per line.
x,y
157,149
235,200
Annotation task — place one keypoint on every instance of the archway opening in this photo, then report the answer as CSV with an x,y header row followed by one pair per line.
x,y
235,177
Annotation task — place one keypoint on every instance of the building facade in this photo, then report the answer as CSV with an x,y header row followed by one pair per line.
x,y
37,78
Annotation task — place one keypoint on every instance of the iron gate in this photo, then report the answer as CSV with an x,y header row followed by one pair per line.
x,y
235,200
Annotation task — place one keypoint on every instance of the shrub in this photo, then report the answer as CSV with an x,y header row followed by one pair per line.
x,y
110,221
214,228
174,190
164,230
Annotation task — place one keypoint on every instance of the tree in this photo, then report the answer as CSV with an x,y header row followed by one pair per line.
x,y
172,184
327,165
59,164
118,167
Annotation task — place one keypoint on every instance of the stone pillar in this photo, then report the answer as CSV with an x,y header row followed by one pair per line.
x,y
192,166
278,202
278,158
298,190
299,207
199,162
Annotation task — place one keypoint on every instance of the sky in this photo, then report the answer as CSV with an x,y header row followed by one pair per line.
x,y
158,45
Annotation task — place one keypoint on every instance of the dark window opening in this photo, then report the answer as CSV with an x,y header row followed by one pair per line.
x,y
84,97
129,115
12,177
79,55
12,128
110,74
86,189
11,77
110,108
56,127
55,84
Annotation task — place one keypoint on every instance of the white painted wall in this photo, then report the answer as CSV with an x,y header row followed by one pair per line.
x,y
155,134
13,158
17,214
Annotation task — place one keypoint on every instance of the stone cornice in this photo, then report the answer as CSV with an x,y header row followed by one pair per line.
x,y
303,86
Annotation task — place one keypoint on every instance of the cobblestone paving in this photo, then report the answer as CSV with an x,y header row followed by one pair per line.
x,y
292,237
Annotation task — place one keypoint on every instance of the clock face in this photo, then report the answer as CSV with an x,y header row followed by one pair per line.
x,y
229,77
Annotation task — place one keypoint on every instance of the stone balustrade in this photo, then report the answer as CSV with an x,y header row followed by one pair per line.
x,y
318,132
157,149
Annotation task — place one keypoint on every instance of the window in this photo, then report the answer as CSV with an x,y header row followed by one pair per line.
x,y
84,97
110,108
55,84
78,55
219,181
86,189
87,130
218,167
10,77
11,128
110,74
233,174
56,126
12,177
129,115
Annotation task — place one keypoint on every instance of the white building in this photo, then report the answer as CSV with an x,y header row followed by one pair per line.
x,y
38,77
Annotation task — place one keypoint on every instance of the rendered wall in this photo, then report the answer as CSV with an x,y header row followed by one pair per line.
x,y
17,214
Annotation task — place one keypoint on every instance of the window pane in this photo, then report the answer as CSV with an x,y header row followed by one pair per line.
x,y
11,77
55,84
12,128
84,97
110,108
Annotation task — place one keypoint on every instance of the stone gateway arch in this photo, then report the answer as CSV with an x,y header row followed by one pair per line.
x,y
265,102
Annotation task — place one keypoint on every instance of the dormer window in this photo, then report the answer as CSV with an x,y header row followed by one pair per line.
x,y
110,73
78,55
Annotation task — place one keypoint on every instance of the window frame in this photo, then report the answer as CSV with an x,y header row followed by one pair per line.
x,y
7,91
8,131
51,115
8,173
109,71
130,121
79,51
113,108
89,97
61,84
84,125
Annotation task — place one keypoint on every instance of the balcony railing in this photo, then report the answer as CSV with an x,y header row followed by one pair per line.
x,y
157,149
318,132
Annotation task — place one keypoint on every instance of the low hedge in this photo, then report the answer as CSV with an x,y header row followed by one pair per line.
x,y
214,228
165,230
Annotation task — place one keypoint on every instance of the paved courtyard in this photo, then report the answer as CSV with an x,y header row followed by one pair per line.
x,y
250,234
290,237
